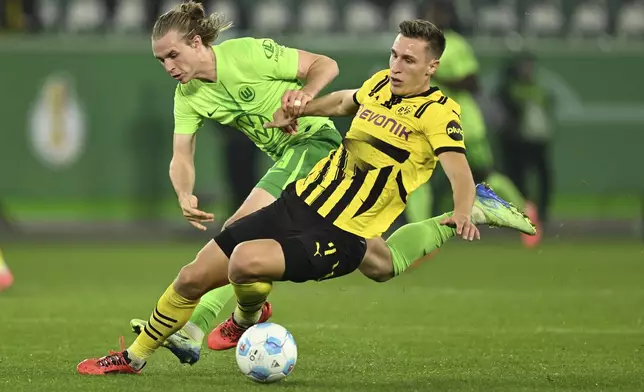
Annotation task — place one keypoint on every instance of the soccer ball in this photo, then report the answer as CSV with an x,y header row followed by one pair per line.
x,y
266,353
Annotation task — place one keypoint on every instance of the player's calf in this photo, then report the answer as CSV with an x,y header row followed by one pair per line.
x,y
254,265
377,264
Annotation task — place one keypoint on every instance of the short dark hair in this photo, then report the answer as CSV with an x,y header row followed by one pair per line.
x,y
426,31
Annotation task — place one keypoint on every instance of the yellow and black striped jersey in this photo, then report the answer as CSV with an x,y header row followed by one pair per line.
x,y
390,150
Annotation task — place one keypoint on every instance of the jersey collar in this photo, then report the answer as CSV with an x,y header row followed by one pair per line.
x,y
427,93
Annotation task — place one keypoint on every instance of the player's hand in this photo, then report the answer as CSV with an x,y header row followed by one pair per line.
x,y
293,102
195,216
285,123
464,226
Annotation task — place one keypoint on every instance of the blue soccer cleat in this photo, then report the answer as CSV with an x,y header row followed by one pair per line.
x,y
489,209
179,343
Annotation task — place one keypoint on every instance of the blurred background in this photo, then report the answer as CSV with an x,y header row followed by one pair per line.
x,y
86,113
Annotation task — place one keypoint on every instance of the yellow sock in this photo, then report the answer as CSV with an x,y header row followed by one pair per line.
x,y
250,300
172,313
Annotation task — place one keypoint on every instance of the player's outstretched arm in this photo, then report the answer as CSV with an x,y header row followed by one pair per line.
x,y
182,175
460,177
182,166
338,103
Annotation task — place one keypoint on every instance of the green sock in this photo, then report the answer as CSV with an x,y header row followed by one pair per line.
x,y
419,204
415,240
506,189
210,306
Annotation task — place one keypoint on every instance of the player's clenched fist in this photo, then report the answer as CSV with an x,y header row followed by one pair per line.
x,y
293,102
195,216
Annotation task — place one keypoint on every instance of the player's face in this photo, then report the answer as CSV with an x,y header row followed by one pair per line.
x,y
180,59
411,66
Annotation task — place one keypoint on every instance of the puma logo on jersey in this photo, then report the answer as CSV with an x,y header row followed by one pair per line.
x,y
330,249
385,122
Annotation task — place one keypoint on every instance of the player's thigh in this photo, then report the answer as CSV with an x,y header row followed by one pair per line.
x,y
256,200
209,270
289,168
319,255
314,248
267,223
256,260
377,263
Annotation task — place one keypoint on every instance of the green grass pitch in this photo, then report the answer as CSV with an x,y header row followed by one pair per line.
x,y
479,317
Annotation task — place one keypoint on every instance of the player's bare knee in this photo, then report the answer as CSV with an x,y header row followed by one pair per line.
x,y
245,264
190,282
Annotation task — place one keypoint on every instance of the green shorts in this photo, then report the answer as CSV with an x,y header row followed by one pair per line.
x,y
479,154
299,159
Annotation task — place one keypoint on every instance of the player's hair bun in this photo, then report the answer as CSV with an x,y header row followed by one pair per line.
x,y
190,19
194,10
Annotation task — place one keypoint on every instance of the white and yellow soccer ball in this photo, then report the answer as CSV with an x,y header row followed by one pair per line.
x,y
266,353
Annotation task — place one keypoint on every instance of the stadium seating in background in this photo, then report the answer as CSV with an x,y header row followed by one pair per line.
x,y
629,21
485,18
544,18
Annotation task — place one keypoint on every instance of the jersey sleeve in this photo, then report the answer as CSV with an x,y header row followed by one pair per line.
x,y
273,61
369,84
458,61
443,129
186,120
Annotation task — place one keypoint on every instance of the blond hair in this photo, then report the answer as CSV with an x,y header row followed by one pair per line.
x,y
190,19
427,31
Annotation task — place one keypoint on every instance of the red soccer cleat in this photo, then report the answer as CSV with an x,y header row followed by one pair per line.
x,y
6,278
227,334
115,362
532,241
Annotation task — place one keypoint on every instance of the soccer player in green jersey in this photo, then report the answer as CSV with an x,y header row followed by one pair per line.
x,y
239,82
457,78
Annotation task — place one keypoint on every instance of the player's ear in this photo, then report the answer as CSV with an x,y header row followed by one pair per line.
x,y
433,66
196,41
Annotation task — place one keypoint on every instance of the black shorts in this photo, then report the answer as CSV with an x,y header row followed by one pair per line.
x,y
314,249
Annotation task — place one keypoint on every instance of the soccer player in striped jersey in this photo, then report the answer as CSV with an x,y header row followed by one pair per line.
x,y
329,223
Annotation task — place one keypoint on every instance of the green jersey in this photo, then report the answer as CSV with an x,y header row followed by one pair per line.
x,y
457,62
252,76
